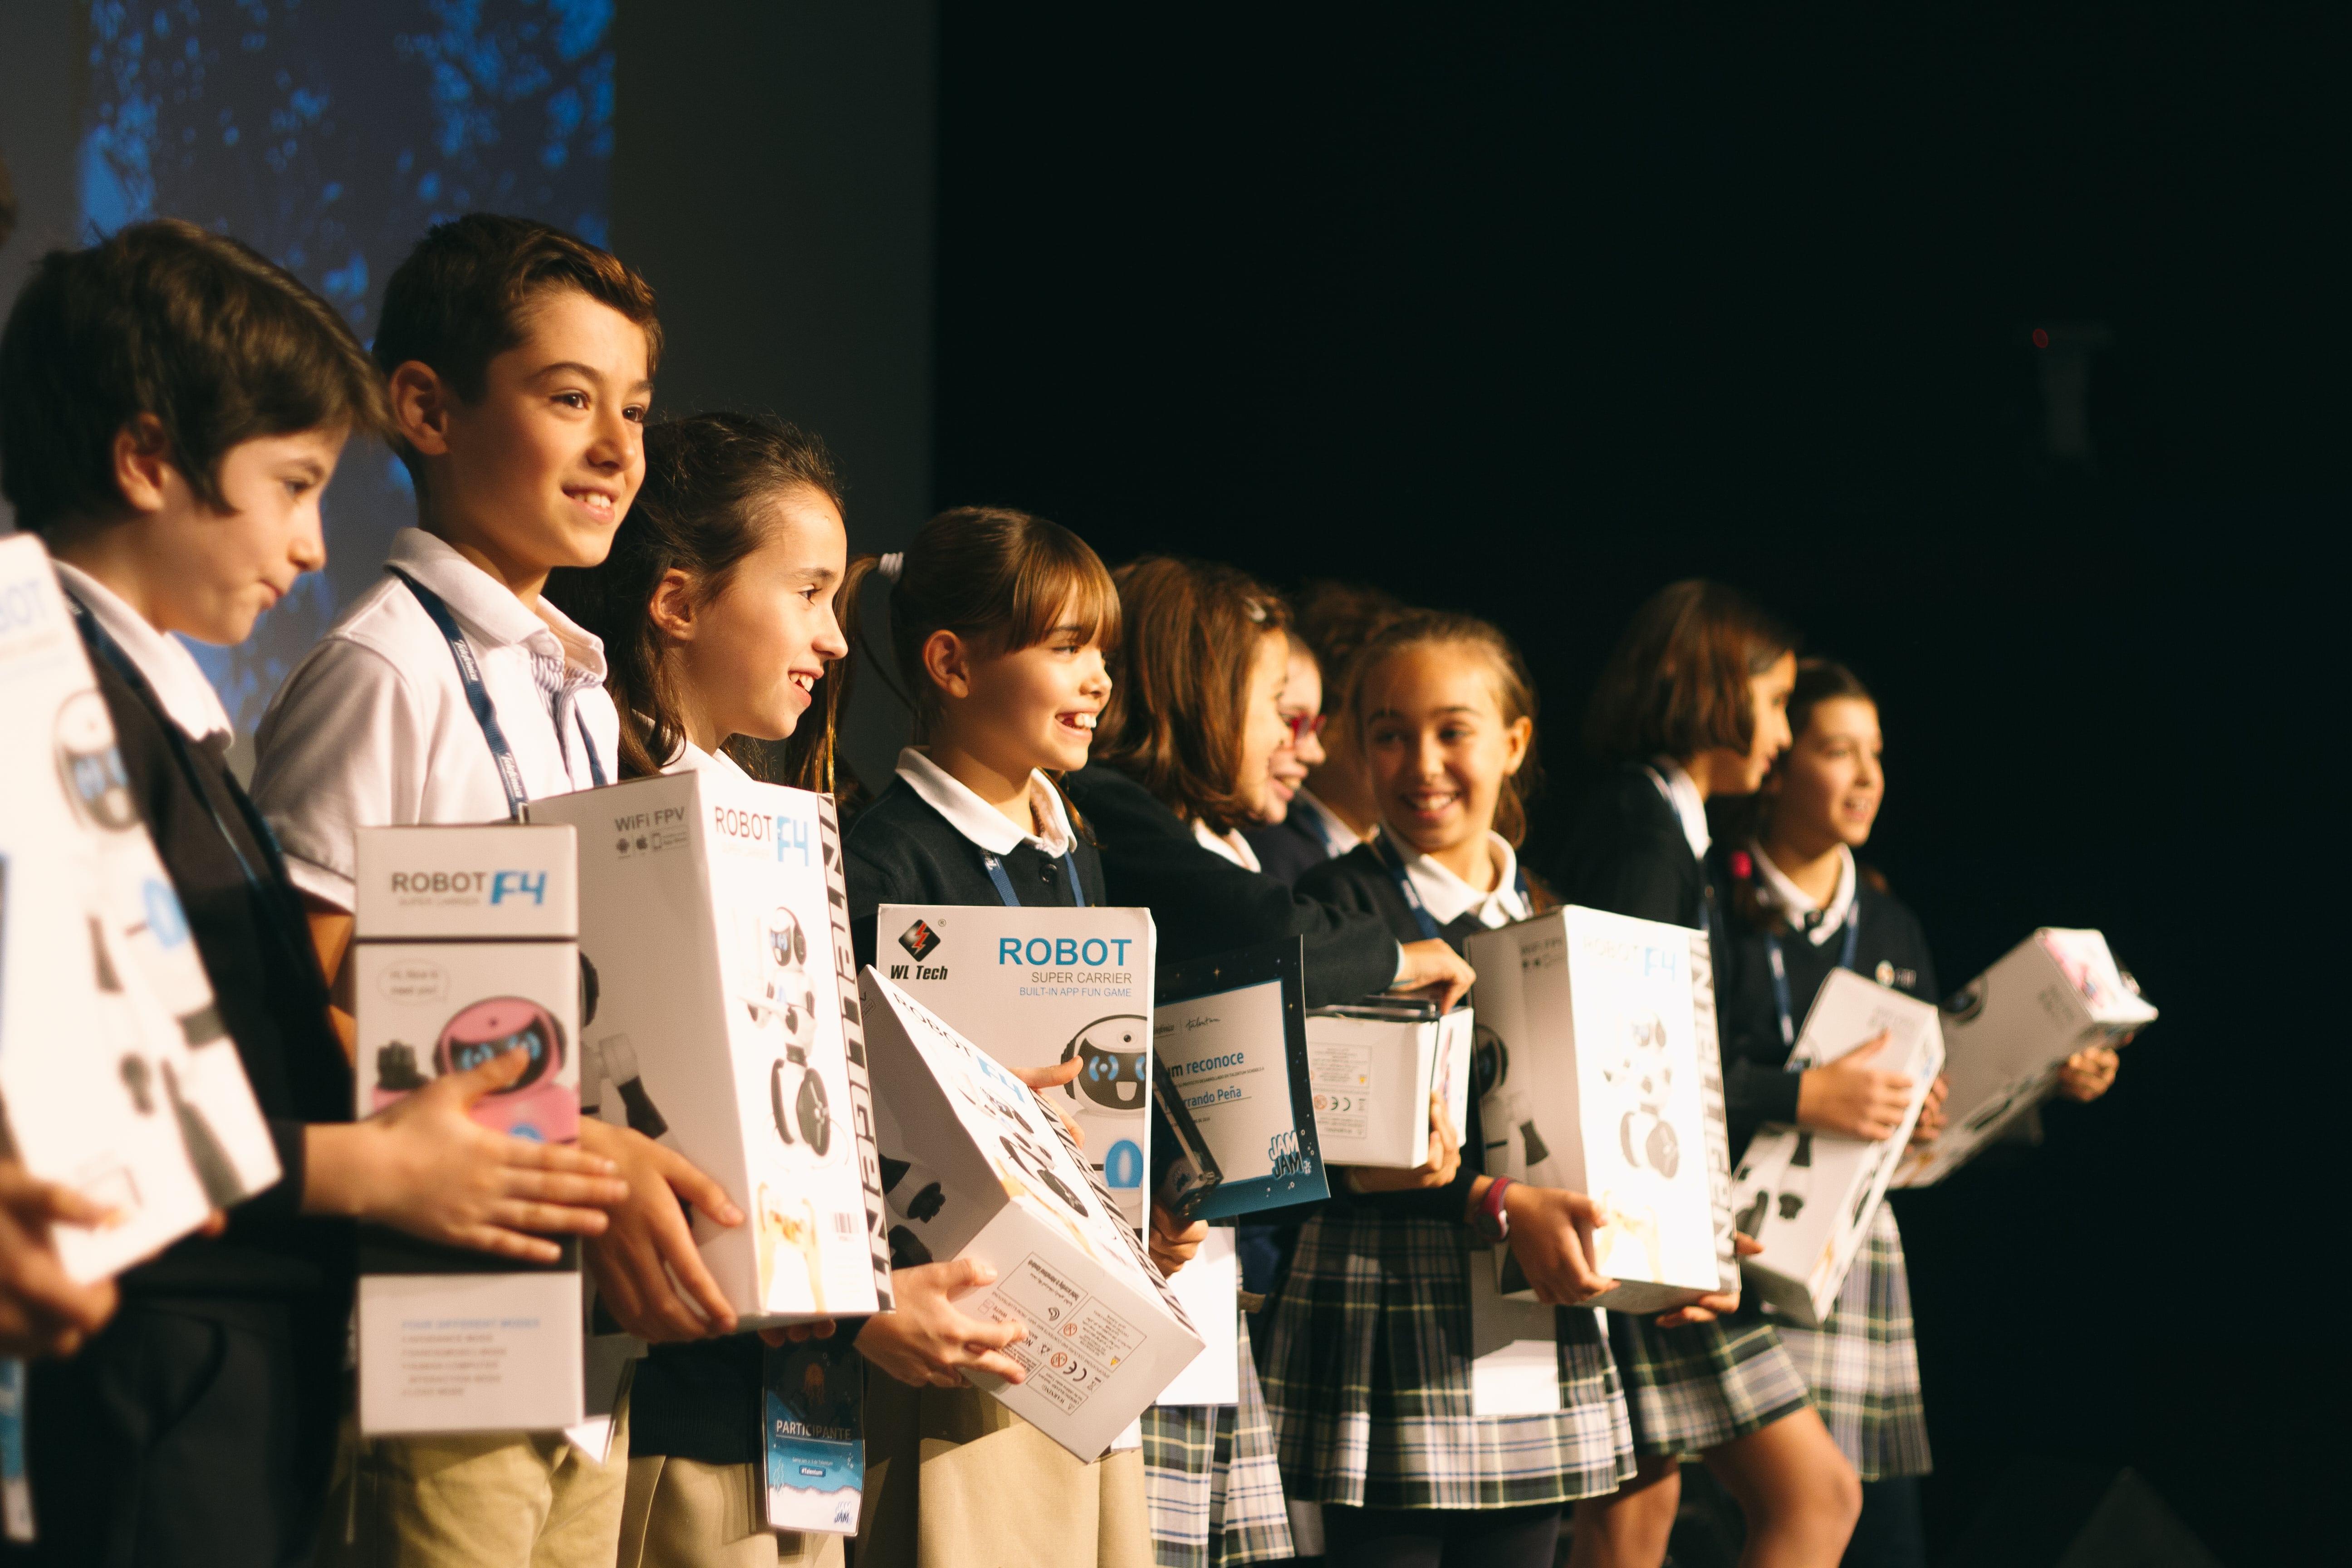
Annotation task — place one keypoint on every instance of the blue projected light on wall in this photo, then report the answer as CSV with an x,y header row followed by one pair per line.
x,y
329,136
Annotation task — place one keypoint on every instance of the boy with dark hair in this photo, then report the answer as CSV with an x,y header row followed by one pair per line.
x,y
171,407
519,363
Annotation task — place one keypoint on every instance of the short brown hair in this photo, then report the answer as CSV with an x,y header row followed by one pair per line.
x,y
164,319
1514,692
1174,724
459,299
993,576
1677,683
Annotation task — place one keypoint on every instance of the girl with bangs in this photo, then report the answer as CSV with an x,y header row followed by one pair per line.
x,y
1369,1370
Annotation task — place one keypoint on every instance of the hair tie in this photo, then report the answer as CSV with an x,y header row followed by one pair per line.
x,y
892,565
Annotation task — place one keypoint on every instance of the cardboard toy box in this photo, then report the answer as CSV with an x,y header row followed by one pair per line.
x,y
2009,1032
1809,1197
466,947
1597,1057
1374,1069
713,915
1035,987
977,1165
1232,1028
117,1076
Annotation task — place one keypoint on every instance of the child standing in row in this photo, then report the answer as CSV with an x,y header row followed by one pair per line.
x,y
1369,1370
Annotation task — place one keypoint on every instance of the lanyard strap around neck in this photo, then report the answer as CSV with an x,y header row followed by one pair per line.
x,y
1392,862
477,698
1012,899
1780,968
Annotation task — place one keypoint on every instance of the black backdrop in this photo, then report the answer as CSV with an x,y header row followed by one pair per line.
x,y
1530,316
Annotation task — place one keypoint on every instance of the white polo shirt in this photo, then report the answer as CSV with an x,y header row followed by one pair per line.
x,y
373,729
1448,898
170,671
981,822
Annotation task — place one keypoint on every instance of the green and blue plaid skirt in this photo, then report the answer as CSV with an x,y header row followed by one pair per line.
x,y
1862,1363
1368,1380
1210,1481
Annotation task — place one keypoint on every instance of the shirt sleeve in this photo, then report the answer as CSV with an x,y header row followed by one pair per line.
x,y
344,747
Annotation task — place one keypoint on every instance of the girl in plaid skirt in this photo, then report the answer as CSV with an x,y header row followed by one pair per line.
x,y
1692,704
1368,1368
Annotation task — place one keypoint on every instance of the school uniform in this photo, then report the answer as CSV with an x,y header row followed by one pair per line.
x,y
1203,903
952,1477
1861,1364
1369,1359
378,725
698,1490
1308,834
1637,849
196,1426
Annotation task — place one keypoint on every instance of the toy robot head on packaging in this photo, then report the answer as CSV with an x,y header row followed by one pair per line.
x,y
1117,1056
798,1100
1645,1075
91,765
536,1105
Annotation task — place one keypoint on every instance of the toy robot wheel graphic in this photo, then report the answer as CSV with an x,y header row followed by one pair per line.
x,y
1490,1061
797,1100
1116,1054
1646,1141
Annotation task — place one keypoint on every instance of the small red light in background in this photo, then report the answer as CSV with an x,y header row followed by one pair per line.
x,y
2040,338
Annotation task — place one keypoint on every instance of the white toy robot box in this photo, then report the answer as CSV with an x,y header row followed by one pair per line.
x,y
1808,1197
117,1076
1598,1068
1035,987
713,915
2009,1031
465,949
976,1164
1375,1069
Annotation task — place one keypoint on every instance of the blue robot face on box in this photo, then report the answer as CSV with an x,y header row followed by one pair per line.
x,y
1116,1054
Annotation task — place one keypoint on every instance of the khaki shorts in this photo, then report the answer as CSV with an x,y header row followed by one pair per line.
x,y
682,1513
488,1499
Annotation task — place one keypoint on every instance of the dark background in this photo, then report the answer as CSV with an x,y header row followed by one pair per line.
x,y
1528,315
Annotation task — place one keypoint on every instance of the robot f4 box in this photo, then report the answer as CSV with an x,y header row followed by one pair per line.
x,y
466,949
2009,1030
713,915
1037,988
1596,1061
978,1165
1809,1197
117,1076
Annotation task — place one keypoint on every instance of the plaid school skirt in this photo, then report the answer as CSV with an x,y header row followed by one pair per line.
x,y
1698,1387
1211,1482
1862,1363
1367,1381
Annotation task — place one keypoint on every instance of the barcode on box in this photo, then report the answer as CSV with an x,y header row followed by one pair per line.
x,y
846,1223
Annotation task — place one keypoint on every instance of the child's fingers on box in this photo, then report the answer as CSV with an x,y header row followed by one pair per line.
x,y
500,1243
689,1181
561,1157
548,1219
559,1188
1002,1366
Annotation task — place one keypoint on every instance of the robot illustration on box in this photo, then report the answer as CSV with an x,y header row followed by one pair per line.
x,y
1116,1074
1644,1075
536,1106
1503,1107
799,1101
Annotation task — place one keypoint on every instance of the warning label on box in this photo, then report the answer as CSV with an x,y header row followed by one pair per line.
x,y
1342,1079
1076,1342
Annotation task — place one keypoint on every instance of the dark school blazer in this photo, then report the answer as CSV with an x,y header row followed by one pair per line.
x,y
1627,854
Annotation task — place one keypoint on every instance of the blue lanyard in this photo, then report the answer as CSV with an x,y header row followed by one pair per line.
x,y
1386,854
1780,968
477,698
1012,899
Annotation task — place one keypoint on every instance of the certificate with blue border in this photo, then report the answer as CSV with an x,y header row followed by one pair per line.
x,y
1232,1031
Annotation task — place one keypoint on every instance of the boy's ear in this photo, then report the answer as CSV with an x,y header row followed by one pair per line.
x,y
671,608
949,663
420,407
143,464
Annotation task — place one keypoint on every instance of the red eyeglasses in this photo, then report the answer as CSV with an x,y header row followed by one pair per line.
x,y
1302,725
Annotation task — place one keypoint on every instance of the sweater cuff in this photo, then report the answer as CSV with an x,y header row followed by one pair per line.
x,y
1755,1094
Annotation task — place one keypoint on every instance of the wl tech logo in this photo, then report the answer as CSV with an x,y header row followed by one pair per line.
x,y
919,940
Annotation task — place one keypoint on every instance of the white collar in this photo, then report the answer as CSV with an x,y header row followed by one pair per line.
x,y
1448,898
1337,836
693,759
490,615
1817,922
1231,846
981,822
1688,804
168,668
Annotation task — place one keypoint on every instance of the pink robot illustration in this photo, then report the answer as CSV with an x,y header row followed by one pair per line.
x,y
536,1106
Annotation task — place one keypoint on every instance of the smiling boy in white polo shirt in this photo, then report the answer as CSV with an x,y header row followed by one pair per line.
x,y
521,363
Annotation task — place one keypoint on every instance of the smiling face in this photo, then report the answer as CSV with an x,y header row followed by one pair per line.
x,y
1828,789
1439,747
751,655
1265,733
1302,749
1026,707
210,574
536,473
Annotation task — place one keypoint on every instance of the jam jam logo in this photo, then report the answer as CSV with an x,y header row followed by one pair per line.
x,y
492,887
